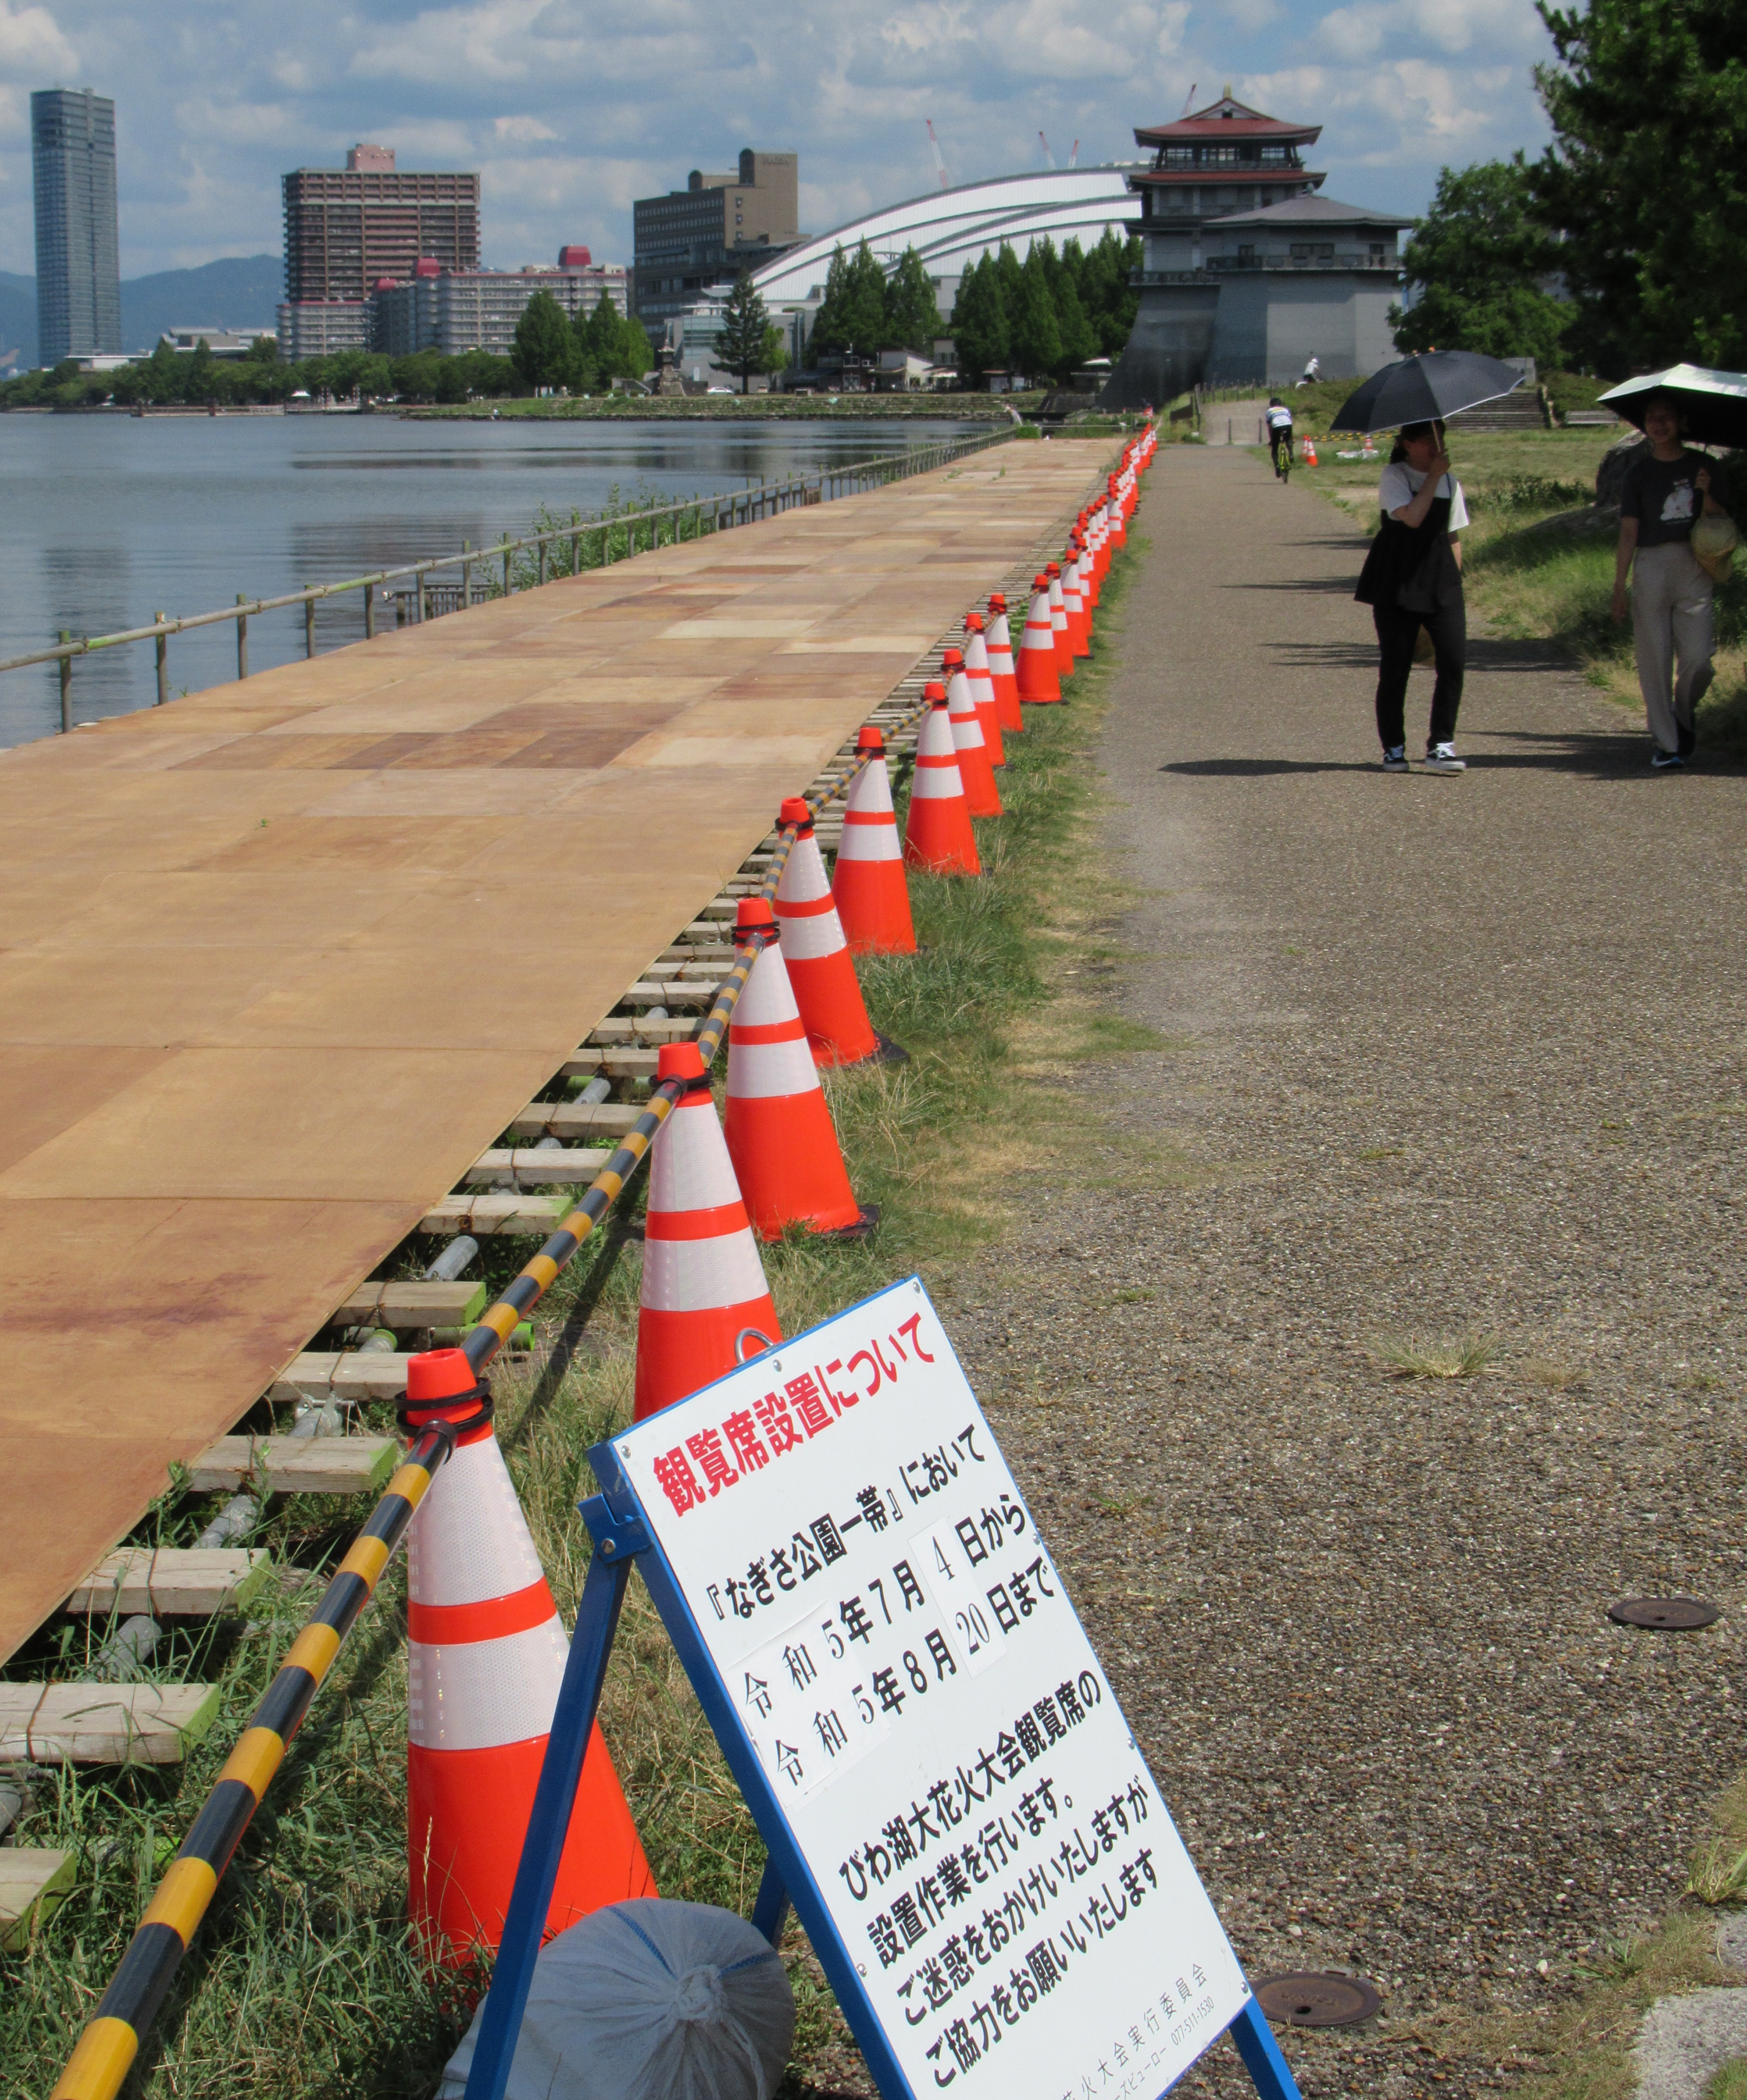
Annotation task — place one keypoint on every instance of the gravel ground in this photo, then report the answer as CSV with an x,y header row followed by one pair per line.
x,y
1445,1057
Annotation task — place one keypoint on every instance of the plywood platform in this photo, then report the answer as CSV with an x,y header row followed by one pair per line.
x,y
278,961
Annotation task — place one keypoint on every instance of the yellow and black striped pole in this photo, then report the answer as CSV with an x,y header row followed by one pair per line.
x,y
106,2049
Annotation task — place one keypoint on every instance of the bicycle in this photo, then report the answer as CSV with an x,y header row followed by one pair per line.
x,y
1280,444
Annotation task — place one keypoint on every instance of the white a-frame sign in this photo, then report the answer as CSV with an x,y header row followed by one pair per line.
x,y
950,1794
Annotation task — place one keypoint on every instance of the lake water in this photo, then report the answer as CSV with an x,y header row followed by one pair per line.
x,y
107,519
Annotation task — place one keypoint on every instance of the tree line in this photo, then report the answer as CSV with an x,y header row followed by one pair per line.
x,y
585,355
1639,205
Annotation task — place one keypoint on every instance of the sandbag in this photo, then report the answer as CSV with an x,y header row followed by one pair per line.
x,y
648,1999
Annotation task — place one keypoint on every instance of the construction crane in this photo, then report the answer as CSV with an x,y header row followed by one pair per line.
x,y
940,158
1073,158
1048,156
1188,100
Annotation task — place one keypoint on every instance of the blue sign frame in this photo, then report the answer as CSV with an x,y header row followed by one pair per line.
x,y
620,1536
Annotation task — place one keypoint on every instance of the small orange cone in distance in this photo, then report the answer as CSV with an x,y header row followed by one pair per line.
x,y
939,836
1037,677
1000,646
703,1306
983,688
778,1125
1310,450
982,797
821,971
485,1655
872,897
1088,569
1074,604
1058,621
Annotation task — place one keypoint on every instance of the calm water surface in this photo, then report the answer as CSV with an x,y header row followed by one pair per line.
x,y
108,518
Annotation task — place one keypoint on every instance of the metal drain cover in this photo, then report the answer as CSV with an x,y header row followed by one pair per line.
x,y
1663,1614
1318,1998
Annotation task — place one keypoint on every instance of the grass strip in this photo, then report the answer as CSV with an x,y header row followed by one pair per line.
x,y
304,1984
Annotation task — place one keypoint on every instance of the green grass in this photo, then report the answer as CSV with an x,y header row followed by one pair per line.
x,y
303,1984
741,407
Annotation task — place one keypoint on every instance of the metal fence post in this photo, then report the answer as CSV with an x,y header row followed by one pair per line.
x,y
163,662
369,610
576,553
242,637
309,626
506,566
540,569
423,610
466,575
66,685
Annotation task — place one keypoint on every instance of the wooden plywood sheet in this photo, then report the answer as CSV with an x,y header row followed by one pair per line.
x,y
279,960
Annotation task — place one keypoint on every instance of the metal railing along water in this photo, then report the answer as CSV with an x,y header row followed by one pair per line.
x,y
612,539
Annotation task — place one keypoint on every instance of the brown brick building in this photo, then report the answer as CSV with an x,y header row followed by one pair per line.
x,y
346,228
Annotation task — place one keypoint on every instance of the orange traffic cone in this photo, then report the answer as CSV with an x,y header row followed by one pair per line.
x,y
938,836
1088,595
823,977
1058,621
778,1126
485,1655
1310,450
705,1306
1073,606
1118,517
1039,678
983,688
982,797
872,897
1000,646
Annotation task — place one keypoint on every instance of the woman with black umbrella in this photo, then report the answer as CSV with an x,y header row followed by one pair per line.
x,y
1412,579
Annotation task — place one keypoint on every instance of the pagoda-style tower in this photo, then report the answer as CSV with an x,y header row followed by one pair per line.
x,y
1249,272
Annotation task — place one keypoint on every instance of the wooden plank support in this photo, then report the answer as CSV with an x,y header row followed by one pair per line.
x,y
190,1581
296,1465
104,1724
668,991
618,1028
34,1881
524,1167
351,1375
494,1213
409,1305
572,1119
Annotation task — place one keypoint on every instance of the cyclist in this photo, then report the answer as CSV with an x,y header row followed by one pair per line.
x,y
1279,435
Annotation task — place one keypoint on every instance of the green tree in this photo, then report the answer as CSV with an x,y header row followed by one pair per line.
x,y
853,314
980,324
749,341
200,375
912,311
1646,180
544,350
636,355
1036,333
417,378
1475,257
1104,275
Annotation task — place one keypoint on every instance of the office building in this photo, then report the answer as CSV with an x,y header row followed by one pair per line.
x,y
452,310
716,227
1248,272
79,253
322,328
346,228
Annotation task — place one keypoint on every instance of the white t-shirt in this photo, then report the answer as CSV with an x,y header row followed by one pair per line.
x,y
1279,419
1401,483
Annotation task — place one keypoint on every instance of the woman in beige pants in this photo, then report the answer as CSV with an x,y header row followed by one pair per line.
x,y
1662,497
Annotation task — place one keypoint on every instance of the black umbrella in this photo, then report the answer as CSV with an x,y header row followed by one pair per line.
x,y
1426,389
1714,403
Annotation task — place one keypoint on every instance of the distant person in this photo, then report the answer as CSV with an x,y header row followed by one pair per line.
x,y
1312,372
1412,579
1279,433
1661,498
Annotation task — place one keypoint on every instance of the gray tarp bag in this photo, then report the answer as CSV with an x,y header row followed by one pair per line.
x,y
649,2001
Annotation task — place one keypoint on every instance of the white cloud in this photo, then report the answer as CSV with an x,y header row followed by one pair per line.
x,y
572,108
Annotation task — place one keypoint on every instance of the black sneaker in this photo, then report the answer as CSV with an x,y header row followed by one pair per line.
x,y
1665,761
1441,758
1396,760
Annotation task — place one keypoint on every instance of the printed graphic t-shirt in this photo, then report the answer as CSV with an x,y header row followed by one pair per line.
x,y
1664,497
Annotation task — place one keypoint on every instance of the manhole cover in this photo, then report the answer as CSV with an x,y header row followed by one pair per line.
x,y
1318,1998
1663,1614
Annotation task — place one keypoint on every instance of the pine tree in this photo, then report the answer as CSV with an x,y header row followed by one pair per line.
x,y
1037,338
1475,256
749,341
913,312
544,350
980,324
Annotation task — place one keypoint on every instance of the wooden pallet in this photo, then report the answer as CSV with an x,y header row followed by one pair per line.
x,y
34,1882
191,1581
395,1304
296,1465
104,1724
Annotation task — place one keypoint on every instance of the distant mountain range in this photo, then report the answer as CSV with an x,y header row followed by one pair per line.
x,y
237,292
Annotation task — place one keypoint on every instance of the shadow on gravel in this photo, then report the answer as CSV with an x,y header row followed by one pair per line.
x,y
1238,768
1563,752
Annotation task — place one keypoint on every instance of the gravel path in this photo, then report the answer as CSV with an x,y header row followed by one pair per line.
x,y
1448,1057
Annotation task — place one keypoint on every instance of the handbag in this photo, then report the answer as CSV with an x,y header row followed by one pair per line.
x,y
1715,539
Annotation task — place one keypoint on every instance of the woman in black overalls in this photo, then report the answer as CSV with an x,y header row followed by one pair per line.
x,y
1412,579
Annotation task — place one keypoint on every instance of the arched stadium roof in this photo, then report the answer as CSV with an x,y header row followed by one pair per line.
x,y
951,228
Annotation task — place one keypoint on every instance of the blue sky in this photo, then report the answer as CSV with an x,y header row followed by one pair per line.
x,y
572,108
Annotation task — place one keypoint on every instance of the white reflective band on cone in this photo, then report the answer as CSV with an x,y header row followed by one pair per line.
x,y
875,840
937,783
688,1173
697,1276
808,935
756,1070
468,1540
479,1695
